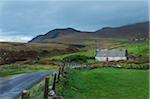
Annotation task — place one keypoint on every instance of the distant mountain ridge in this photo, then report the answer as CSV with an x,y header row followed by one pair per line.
x,y
127,31
54,34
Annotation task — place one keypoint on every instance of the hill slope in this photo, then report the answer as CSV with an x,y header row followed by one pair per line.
x,y
134,30
138,30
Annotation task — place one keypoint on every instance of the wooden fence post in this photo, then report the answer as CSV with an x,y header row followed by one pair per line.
x,y
54,82
62,71
25,94
46,90
58,77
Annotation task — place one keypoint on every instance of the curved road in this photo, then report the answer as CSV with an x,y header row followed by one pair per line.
x,y
11,89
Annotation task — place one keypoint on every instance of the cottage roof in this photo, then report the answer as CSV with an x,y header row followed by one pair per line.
x,y
112,53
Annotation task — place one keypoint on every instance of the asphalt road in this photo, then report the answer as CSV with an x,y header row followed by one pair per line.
x,y
11,89
2,79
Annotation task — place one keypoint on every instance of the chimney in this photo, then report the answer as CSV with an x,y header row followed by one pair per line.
x,y
97,52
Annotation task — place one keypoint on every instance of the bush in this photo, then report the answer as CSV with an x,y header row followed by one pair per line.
x,y
136,66
75,58
7,56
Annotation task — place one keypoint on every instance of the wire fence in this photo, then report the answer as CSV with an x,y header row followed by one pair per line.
x,y
49,90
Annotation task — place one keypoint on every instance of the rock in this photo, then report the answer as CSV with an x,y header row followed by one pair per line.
x,y
52,93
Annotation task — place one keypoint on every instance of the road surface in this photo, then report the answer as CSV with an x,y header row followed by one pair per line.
x,y
2,79
11,89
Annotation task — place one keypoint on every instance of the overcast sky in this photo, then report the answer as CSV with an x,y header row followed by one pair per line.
x,y
22,20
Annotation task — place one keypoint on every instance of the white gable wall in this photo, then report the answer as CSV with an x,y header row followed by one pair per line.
x,y
110,58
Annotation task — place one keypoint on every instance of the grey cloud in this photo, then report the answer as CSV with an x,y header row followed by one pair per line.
x,y
34,17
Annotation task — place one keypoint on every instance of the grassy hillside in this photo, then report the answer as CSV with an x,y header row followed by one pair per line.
x,y
139,49
107,83
16,46
12,52
60,57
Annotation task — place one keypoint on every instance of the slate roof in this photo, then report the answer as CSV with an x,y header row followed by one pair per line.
x,y
112,53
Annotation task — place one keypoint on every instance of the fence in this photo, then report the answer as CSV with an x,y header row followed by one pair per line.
x,y
48,91
22,87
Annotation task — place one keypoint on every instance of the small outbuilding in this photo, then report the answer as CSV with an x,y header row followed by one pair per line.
x,y
111,55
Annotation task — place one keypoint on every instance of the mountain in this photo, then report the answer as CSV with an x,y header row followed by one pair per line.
x,y
128,31
53,34
138,30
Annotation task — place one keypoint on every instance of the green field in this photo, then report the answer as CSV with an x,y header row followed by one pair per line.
x,y
107,83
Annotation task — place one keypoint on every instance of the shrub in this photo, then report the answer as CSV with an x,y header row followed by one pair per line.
x,y
75,58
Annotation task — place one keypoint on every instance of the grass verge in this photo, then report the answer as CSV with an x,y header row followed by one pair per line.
x,y
12,69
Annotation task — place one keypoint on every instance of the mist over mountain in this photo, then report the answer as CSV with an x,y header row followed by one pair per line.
x,y
138,30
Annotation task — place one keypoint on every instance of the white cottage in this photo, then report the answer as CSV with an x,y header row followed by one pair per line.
x,y
111,55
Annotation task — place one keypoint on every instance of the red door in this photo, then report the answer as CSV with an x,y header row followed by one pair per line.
x,y
107,60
